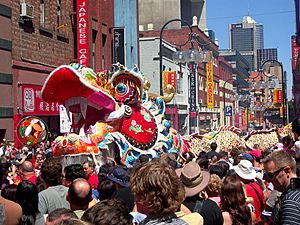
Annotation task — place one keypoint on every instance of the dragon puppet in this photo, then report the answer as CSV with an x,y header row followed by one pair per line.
x,y
110,107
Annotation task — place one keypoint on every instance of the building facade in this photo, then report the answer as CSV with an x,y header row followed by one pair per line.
x,y
266,54
44,35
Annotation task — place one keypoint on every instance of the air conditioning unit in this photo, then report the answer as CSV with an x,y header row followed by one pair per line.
x,y
26,11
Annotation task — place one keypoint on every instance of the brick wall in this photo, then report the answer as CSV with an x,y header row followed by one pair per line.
x,y
51,44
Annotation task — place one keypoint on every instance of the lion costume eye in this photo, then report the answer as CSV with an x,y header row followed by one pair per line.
x,y
121,89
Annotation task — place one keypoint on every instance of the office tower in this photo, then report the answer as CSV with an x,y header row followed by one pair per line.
x,y
247,37
266,54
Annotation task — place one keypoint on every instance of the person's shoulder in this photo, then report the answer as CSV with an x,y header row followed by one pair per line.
x,y
11,206
292,195
193,218
227,218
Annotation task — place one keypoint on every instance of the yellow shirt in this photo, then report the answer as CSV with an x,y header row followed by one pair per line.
x,y
191,219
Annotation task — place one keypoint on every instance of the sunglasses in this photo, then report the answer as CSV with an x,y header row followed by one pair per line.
x,y
271,175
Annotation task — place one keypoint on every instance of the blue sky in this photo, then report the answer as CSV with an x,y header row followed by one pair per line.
x,y
277,17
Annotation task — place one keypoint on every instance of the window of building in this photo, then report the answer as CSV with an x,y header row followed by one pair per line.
x,y
94,33
59,13
42,13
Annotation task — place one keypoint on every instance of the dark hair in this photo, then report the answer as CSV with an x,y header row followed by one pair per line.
x,y
287,141
106,189
91,164
218,170
143,158
203,163
108,212
9,192
224,165
61,214
213,146
27,197
73,172
233,201
222,154
72,222
51,172
103,171
296,126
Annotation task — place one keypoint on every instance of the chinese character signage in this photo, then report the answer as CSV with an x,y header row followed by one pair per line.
x,y
210,84
33,103
295,52
82,32
170,78
278,99
119,45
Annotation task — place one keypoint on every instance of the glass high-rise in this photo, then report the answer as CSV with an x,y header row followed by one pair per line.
x,y
247,37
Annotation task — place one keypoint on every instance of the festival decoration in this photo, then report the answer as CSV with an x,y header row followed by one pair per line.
x,y
262,138
117,101
31,131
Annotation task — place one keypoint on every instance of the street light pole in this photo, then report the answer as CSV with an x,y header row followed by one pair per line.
x,y
161,91
282,85
224,99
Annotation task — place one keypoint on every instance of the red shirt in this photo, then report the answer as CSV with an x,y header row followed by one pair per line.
x,y
18,179
258,201
93,181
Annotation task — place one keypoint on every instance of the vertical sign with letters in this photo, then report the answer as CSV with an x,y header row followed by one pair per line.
x,y
210,84
119,45
193,106
82,32
170,78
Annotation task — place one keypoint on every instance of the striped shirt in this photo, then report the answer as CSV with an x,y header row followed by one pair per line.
x,y
289,208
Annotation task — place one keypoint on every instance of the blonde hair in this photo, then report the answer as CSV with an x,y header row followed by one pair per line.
x,y
214,186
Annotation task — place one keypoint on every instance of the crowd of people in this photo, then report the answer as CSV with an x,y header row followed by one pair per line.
x,y
243,186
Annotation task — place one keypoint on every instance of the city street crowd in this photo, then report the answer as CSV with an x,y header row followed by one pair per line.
x,y
242,186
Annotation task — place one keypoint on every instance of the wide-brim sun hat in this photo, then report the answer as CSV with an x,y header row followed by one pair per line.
x,y
245,170
119,175
193,178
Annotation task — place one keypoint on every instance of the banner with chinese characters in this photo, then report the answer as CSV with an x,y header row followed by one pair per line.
x,y
170,78
82,32
295,52
277,97
34,105
210,84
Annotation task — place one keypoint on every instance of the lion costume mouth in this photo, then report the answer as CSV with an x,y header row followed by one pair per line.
x,y
69,87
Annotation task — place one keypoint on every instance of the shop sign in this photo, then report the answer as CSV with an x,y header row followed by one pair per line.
x,y
82,32
119,45
65,120
34,105
192,100
210,85
170,78
228,110
295,52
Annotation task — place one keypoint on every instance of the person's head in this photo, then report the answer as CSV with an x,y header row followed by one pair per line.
x,y
213,146
143,158
72,222
280,167
245,171
218,170
193,179
79,194
89,168
58,215
214,186
9,192
71,173
51,172
157,188
26,170
27,197
103,172
287,141
119,176
296,128
222,155
224,165
106,189
108,212
233,200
